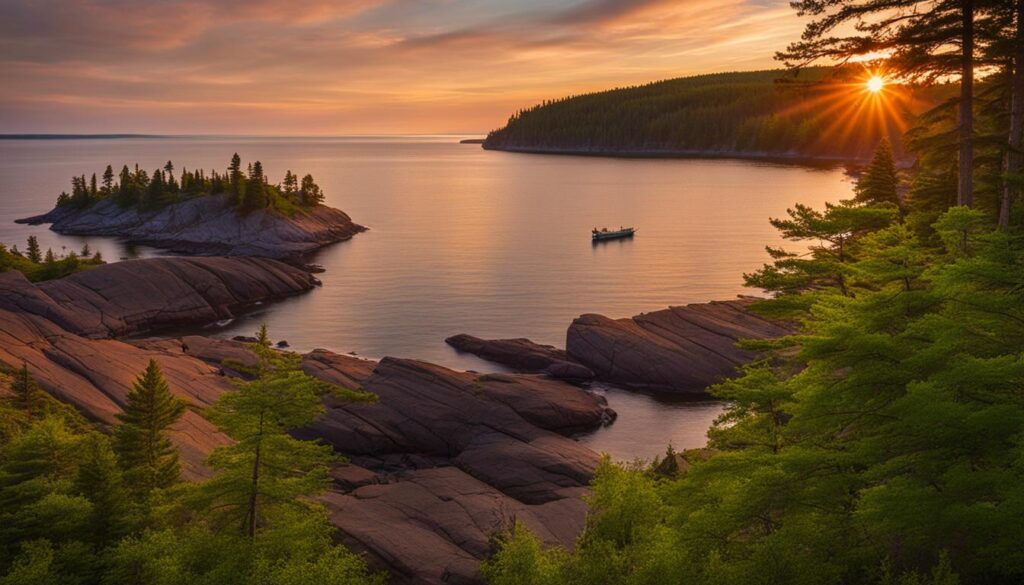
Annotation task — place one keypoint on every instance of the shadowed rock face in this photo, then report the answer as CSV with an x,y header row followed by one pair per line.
x,y
452,457
682,349
53,327
523,355
207,226
139,295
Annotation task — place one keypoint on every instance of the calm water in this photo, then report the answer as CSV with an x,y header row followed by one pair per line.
x,y
466,240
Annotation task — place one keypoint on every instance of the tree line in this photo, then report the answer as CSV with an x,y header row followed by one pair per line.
x,y
37,266
246,189
762,112
881,443
84,504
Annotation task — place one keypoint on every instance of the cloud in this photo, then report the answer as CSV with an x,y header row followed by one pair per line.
x,y
351,66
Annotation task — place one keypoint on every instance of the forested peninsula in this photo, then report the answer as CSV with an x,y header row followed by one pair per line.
x,y
755,114
238,212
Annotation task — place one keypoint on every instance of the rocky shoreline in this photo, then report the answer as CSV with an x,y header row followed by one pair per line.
x,y
678,349
441,461
207,226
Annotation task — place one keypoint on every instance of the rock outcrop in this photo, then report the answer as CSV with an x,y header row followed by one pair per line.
x,y
207,226
444,459
682,349
439,463
60,329
523,355
140,295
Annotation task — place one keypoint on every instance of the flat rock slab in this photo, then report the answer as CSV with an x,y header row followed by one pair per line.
x,y
440,462
435,525
140,295
682,349
523,355
207,226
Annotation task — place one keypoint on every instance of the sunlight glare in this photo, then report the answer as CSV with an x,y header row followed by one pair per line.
x,y
875,84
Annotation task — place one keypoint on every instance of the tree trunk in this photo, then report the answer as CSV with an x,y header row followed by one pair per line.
x,y
965,192
1013,153
254,491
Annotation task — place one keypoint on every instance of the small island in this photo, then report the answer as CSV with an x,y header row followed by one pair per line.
x,y
235,213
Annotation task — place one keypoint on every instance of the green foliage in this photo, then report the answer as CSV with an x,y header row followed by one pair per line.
x,y
827,265
521,559
266,471
881,180
37,267
882,444
141,440
67,515
137,188
297,551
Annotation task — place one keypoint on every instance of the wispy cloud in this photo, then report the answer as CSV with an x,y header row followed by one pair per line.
x,y
351,66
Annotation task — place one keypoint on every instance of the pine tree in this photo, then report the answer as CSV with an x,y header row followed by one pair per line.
x,y
255,188
880,181
100,481
926,40
33,253
108,181
235,180
26,395
146,454
266,469
290,184
310,193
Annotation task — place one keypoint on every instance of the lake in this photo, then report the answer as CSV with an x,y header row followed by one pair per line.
x,y
464,240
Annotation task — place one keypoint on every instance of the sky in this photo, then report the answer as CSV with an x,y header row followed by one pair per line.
x,y
343,67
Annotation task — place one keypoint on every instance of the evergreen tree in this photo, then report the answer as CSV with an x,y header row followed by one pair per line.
x,y
108,181
149,459
835,230
310,193
290,185
880,181
926,40
33,253
26,394
235,180
266,471
100,481
255,189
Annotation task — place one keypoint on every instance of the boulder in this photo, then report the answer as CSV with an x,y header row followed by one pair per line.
x,y
681,349
523,355
207,226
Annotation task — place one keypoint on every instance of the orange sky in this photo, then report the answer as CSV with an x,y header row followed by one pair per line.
x,y
330,67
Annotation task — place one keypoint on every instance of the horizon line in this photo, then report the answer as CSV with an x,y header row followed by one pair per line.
x,y
116,135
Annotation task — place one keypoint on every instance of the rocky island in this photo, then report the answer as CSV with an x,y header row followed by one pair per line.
x,y
235,214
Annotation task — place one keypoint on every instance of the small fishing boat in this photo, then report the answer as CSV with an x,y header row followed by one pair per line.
x,y
606,234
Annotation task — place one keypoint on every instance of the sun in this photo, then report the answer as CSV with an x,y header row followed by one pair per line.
x,y
875,84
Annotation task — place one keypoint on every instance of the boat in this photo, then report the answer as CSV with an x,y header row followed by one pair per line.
x,y
606,234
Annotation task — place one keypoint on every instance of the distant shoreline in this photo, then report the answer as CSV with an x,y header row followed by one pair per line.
x,y
77,136
780,158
